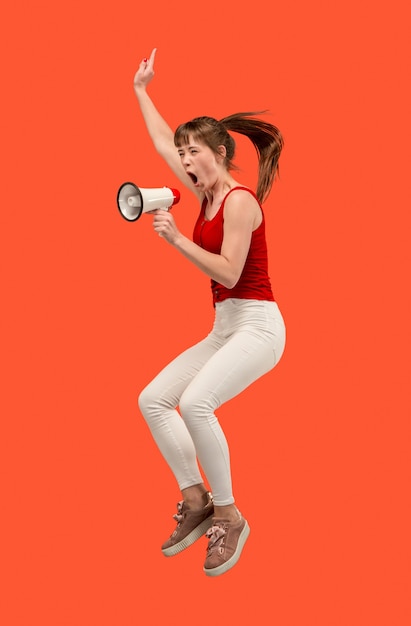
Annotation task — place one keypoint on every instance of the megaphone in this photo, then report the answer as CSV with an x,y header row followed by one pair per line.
x,y
133,201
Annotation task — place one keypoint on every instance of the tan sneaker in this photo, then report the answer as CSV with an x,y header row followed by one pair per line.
x,y
226,541
191,525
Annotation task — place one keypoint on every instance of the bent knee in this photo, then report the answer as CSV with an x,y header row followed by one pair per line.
x,y
145,400
151,401
192,408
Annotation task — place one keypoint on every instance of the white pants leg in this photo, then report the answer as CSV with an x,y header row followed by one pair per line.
x,y
246,341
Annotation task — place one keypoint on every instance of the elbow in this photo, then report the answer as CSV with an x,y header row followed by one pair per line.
x,y
230,274
159,147
230,282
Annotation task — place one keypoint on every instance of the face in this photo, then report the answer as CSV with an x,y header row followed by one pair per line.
x,y
200,164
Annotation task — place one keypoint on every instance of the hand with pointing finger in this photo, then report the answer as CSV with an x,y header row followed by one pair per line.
x,y
145,72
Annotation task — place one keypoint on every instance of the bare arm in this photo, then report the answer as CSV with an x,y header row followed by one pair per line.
x,y
241,217
160,132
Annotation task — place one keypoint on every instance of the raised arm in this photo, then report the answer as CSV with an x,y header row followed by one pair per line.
x,y
160,132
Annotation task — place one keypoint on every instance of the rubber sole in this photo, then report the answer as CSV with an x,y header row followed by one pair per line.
x,y
195,534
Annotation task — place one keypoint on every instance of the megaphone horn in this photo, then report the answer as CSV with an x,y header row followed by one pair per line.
x,y
133,201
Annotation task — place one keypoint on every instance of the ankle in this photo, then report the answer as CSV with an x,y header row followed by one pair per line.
x,y
228,512
194,504
195,497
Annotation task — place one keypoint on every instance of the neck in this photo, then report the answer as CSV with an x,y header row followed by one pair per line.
x,y
219,190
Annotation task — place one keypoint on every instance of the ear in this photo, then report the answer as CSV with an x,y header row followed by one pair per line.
x,y
221,152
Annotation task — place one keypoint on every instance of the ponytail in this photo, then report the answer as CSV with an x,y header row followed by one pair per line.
x,y
267,141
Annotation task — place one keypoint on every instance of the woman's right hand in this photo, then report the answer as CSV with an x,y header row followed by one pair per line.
x,y
145,72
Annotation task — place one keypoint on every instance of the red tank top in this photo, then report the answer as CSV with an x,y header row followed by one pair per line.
x,y
254,282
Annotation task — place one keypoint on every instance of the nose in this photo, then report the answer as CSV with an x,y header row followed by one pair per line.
x,y
186,159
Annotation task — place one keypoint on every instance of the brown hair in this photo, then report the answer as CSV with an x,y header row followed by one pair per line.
x,y
265,137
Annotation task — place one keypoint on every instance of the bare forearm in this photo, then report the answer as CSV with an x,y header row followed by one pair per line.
x,y
213,265
158,129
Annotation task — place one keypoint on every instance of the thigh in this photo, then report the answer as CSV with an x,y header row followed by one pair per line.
x,y
243,359
168,386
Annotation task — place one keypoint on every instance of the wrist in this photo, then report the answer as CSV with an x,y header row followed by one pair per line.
x,y
139,89
178,241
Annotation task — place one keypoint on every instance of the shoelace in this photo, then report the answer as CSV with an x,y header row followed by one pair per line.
x,y
216,536
179,515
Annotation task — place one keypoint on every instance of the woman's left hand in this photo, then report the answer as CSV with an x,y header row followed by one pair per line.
x,y
165,225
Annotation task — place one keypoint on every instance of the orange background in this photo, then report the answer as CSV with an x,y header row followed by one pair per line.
x,y
93,306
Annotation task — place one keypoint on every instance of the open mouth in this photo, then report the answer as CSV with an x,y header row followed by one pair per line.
x,y
193,177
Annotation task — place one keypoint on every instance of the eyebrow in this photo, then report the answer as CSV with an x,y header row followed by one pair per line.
x,y
188,147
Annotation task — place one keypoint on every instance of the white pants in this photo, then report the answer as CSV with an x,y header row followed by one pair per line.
x,y
247,340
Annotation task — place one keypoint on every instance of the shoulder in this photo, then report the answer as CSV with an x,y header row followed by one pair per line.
x,y
241,203
241,190
241,196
